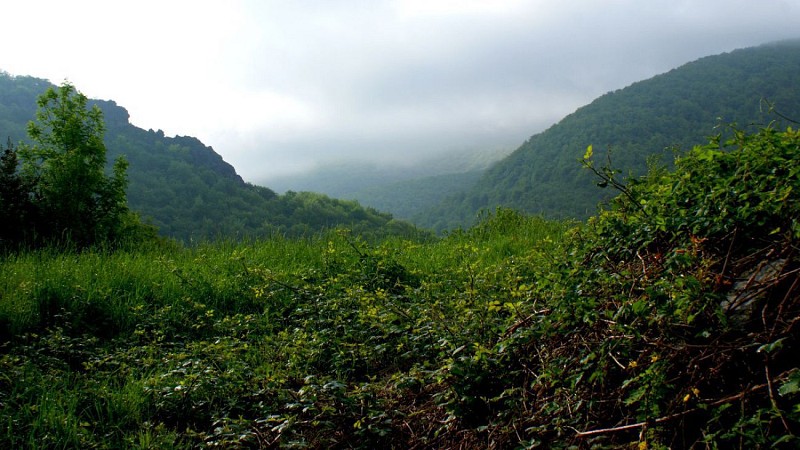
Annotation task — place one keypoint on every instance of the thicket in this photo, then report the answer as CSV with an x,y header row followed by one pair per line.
x,y
668,320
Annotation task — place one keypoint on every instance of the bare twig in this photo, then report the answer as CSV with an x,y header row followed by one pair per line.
x,y
616,361
634,426
778,113
772,395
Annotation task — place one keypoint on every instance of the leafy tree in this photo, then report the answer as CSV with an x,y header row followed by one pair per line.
x,y
75,200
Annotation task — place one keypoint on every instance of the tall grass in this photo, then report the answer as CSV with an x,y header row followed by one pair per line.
x,y
100,292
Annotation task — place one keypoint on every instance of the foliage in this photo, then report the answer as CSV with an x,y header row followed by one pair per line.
x,y
16,206
192,195
403,188
317,342
674,322
405,199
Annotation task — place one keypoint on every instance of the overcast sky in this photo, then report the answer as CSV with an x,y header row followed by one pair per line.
x,y
282,86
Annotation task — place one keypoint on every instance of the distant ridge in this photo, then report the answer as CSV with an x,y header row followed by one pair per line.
x,y
653,117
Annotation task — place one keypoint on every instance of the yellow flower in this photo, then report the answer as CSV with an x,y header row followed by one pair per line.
x,y
694,391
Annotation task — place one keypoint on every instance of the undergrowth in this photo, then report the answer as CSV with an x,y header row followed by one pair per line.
x,y
668,320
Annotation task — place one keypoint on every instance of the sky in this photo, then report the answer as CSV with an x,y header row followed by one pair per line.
x,y
278,87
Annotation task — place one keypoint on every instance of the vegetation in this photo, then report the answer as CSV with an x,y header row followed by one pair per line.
x,y
668,320
651,117
190,193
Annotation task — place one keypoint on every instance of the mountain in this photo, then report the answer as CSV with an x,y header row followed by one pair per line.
x,y
186,189
648,118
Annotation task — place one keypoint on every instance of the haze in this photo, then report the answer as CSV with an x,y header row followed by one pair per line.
x,y
282,87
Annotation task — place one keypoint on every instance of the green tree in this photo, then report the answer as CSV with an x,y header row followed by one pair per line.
x,y
15,204
65,164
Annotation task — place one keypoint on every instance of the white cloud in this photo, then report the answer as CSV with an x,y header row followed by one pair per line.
x,y
416,8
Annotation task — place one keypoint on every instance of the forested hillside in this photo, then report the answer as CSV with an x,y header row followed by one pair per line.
x,y
651,117
186,189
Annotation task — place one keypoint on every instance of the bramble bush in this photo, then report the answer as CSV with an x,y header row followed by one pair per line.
x,y
672,322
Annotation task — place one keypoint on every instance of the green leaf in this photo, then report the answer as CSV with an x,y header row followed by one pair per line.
x,y
771,346
791,386
589,152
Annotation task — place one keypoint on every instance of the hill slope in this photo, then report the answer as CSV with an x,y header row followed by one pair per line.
x,y
186,189
650,117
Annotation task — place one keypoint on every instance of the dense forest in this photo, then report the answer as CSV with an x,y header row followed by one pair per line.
x,y
187,190
651,118
406,198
